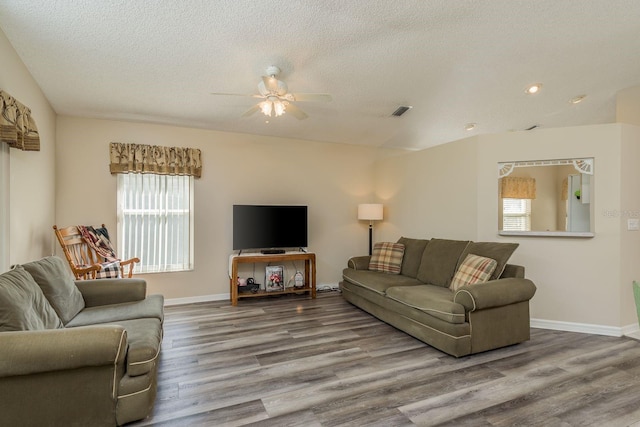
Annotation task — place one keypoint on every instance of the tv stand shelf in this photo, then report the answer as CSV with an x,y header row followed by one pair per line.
x,y
309,273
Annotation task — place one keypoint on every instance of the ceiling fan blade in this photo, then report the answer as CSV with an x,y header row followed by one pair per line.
x,y
296,112
271,83
315,97
251,110
237,94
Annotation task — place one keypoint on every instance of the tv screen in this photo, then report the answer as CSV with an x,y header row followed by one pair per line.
x,y
269,226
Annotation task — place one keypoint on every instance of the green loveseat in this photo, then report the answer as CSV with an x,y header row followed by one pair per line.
x,y
418,301
79,353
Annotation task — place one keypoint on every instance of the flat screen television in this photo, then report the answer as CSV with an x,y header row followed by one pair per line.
x,y
269,227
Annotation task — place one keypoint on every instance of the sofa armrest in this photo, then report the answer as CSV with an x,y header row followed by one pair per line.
x,y
495,293
36,352
111,291
359,262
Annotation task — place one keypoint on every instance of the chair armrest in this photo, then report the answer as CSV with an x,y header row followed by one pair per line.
x,y
494,293
359,262
130,262
35,352
87,272
111,291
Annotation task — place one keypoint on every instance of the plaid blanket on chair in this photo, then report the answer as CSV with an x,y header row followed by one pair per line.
x,y
109,270
98,240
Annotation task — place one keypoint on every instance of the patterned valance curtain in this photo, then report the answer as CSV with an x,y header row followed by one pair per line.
x,y
518,188
17,128
139,158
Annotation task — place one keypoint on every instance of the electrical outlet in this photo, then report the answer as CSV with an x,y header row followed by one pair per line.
x,y
633,224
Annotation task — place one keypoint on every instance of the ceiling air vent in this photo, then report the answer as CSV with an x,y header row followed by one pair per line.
x,y
401,110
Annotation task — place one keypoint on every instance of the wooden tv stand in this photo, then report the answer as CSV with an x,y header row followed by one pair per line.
x,y
309,273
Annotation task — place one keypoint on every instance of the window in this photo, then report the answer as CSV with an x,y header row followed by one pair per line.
x,y
516,214
155,221
4,207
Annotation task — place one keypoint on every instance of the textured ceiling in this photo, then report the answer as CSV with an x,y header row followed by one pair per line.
x,y
454,61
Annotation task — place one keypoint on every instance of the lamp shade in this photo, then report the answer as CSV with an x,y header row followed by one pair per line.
x,y
370,211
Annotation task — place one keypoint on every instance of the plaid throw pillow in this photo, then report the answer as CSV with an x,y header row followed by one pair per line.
x,y
387,257
109,270
474,269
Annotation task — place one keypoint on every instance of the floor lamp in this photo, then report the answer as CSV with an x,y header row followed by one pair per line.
x,y
370,212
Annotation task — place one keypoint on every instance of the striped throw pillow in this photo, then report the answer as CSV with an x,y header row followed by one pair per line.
x,y
474,269
387,257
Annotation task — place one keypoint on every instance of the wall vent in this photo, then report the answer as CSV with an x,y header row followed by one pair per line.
x,y
401,110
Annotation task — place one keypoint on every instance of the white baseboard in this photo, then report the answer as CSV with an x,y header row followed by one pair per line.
x,y
586,328
193,300
632,330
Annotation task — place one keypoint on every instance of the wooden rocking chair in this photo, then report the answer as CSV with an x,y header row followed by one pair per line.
x,y
85,263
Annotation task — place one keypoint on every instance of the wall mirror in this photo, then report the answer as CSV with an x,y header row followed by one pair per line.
x,y
546,198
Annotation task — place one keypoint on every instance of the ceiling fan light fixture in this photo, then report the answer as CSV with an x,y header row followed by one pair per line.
x,y
266,107
279,108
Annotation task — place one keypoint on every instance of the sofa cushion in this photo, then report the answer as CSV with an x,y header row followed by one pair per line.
x,y
387,257
56,281
433,300
376,281
501,252
144,337
23,306
413,250
440,260
150,307
474,269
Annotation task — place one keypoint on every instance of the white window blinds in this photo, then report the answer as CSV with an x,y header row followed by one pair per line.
x,y
516,214
155,221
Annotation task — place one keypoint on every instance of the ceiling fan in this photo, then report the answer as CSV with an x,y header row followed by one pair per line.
x,y
276,99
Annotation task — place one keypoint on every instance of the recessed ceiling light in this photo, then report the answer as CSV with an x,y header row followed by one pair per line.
x,y
533,89
470,126
577,99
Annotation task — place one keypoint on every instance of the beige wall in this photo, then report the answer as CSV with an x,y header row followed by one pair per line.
x,y
429,193
628,106
629,209
32,174
579,280
237,169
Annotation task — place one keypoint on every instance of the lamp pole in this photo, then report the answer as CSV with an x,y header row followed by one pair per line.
x,y
370,212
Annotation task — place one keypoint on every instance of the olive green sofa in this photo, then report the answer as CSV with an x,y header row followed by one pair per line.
x,y
79,353
418,301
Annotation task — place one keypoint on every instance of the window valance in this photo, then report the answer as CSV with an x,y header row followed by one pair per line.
x,y
17,128
140,158
518,188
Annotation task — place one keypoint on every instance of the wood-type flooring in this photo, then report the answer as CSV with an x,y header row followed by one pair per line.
x,y
293,361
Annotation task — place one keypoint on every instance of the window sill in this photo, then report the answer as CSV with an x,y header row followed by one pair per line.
x,y
579,234
139,273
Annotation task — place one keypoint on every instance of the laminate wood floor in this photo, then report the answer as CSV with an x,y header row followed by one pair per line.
x,y
293,361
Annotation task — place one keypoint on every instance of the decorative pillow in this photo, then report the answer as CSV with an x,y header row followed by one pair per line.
x,y
387,257
499,251
474,269
23,306
53,275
